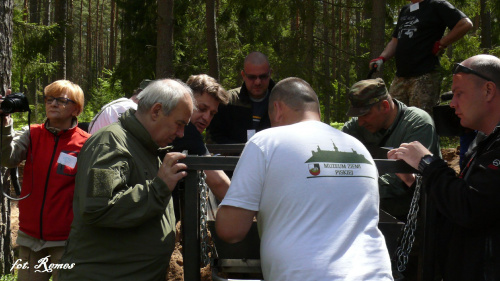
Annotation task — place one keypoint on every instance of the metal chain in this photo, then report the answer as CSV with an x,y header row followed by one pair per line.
x,y
406,243
203,191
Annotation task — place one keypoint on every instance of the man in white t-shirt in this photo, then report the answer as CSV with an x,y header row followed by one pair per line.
x,y
315,194
112,111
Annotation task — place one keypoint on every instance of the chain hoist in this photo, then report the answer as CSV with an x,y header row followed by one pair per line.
x,y
406,243
204,243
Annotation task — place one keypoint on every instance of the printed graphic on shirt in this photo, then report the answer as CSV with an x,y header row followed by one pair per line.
x,y
495,165
408,26
335,163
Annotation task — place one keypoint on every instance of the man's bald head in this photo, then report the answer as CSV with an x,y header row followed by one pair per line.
x,y
487,65
293,100
256,58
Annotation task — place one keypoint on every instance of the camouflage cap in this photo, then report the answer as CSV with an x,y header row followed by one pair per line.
x,y
364,94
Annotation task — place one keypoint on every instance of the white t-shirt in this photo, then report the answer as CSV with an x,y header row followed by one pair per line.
x,y
316,193
110,113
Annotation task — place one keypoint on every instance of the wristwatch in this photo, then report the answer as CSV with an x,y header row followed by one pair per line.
x,y
425,161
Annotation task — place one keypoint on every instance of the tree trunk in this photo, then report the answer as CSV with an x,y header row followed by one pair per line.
x,y
310,17
80,33
34,11
485,25
88,51
334,55
112,46
213,50
59,47
377,34
326,64
70,43
165,39
340,62
6,30
101,40
347,48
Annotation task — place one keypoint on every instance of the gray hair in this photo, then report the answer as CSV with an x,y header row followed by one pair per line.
x,y
296,94
167,92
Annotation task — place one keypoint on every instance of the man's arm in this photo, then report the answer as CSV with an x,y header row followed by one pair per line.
x,y
390,49
218,182
389,52
459,30
110,193
232,223
472,203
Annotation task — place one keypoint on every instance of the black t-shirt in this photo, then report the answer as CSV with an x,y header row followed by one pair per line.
x,y
417,31
259,110
192,142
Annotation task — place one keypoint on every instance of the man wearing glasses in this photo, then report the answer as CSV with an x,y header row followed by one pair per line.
x,y
468,204
417,42
246,112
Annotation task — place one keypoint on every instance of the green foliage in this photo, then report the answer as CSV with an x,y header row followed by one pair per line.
x,y
8,277
31,44
337,125
449,142
107,89
138,43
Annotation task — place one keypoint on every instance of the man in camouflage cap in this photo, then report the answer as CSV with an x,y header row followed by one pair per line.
x,y
380,121
364,94
377,121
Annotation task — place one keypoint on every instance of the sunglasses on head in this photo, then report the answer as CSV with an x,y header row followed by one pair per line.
x,y
458,68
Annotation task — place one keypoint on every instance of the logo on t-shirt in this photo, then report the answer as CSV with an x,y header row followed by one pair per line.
x,y
408,27
335,163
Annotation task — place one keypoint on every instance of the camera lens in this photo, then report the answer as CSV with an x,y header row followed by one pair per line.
x,y
16,102
8,105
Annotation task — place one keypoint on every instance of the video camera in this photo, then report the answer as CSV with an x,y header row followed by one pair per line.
x,y
16,102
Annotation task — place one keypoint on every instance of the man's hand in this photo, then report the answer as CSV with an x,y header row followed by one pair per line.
x,y
6,117
438,49
171,171
377,63
411,153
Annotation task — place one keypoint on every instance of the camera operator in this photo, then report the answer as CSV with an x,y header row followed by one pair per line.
x,y
50,150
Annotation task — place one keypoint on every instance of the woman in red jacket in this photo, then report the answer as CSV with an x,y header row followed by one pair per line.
x,y
50,150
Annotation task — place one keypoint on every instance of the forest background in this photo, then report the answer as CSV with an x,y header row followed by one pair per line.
x,y
108,47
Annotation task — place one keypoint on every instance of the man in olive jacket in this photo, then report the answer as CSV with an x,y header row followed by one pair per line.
x,y
124,224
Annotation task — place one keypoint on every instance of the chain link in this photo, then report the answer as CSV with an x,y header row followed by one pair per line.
x,y
406,243
203,191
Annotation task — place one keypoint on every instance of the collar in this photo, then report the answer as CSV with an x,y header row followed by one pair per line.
x,y
133,126
56,131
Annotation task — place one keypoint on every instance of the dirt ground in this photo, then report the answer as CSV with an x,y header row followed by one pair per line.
x,y
176,270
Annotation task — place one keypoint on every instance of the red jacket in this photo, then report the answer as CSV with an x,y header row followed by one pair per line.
x,y
49,175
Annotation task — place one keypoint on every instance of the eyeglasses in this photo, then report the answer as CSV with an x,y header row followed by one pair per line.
x,y
63,101
464,69
254,77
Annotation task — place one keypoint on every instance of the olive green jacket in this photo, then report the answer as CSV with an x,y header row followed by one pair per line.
x,y
124,225
411,124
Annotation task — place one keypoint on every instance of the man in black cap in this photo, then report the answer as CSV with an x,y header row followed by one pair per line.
x,y
380,121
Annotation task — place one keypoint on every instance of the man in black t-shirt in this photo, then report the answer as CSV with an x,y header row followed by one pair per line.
x,y
417,42
208,95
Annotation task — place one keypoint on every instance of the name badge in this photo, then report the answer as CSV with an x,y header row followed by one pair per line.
x,y
67,160
250,133
414,7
